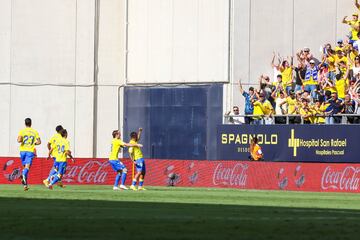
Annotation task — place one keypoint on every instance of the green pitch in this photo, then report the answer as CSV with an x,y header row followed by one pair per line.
x,y
98,212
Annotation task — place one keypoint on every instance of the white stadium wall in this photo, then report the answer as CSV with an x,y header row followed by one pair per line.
x,y
52,46
178,41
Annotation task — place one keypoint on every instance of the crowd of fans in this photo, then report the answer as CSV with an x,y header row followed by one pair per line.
x,y
312,91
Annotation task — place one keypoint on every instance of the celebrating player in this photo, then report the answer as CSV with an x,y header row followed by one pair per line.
x,y
51,144
28,138
137,156
115,163
60,151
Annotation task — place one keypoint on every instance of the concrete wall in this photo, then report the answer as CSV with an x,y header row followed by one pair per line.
x,y
178,41
48,49
50,46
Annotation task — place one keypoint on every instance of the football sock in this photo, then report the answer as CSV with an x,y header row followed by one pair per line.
x,y
141,182
134,182
52,172
25,172
123,178
117,179
55,180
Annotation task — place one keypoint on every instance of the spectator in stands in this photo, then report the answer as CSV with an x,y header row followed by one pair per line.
x,y
280,98
319,112
354,27
341,79
355,67
354,86
335,107
291,107
357,107
348,107
234,118
300,72
311,78
263,109
304,56
265,85
249,96
305,111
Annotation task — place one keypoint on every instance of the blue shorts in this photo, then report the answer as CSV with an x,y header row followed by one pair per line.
x,y
140,165
60,167
26,158
117,165
54,158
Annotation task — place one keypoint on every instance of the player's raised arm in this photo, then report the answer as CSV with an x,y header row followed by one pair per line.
x,y
139,133
133,145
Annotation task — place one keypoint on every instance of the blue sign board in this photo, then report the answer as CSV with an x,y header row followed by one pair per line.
x,y
288,143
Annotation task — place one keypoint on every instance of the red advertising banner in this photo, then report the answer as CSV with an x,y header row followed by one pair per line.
x,y
221,174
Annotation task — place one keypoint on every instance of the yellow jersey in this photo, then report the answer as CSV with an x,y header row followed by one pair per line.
x,y
320,112
331,62
59,151
258,111
267,108
116,144
135,152
344,59
54,139
287,77
291,105
354,32
29,137
341,88
307,111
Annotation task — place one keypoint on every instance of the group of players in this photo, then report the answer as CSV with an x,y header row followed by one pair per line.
x,y
59,151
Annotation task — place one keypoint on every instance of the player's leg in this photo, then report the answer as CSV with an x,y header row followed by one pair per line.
x,y
139,169
136,177
23,163
57,177
123,176
116,166
51,173
142,177
27,161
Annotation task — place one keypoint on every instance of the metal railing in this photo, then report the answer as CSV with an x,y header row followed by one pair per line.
x,y
290,119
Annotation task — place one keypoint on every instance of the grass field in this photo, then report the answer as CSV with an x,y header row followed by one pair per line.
x,y
98,212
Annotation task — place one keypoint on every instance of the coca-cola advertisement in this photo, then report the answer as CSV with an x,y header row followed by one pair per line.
x,y
189,173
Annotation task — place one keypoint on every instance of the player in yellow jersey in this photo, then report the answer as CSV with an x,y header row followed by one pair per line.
x,y
114,161
28,138
138,158
61,150
51,144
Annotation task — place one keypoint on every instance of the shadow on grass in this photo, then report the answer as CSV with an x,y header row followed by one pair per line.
x,y
89,219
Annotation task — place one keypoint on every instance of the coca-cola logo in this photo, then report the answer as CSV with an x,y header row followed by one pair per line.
x,y
91,172
346,179
233,176
11,173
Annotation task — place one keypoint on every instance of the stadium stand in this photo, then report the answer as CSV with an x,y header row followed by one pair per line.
x,y
312,91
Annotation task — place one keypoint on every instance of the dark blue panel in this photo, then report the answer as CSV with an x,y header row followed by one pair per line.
x,y
176,121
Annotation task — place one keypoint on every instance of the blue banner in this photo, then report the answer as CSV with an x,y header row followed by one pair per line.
x,y
291,143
